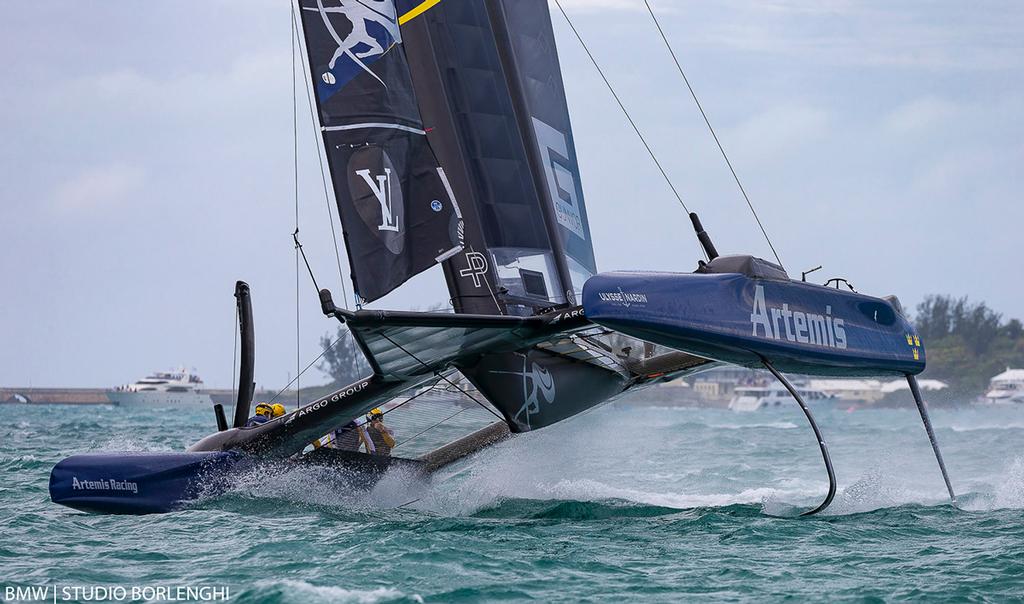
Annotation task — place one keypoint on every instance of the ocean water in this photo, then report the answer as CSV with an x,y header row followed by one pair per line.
x,y
627,503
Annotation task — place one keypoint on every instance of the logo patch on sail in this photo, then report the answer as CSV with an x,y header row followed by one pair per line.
x,y
561,179
376,191
476,267
363,31
538,386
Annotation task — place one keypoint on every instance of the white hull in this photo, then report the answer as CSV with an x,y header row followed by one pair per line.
x,y
746,403
1007,388
158,399
1004,400
754,399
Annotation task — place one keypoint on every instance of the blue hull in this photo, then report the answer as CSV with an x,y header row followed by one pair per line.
x,y
153,483
731,317
139,483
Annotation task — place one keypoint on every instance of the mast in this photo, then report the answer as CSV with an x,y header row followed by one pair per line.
x,y
496,13
469,276
490,89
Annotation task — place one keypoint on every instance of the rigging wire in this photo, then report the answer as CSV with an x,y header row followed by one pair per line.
x,y
323,170
725,156
332,437
295,235
625,112
311,363
414,437
443,377
299,248
299,251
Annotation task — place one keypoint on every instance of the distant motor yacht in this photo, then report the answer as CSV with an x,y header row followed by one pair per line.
x,y
1007,387
753,398
162,389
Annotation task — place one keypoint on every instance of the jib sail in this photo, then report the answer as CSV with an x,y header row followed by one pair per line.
x,y
489,84
398,212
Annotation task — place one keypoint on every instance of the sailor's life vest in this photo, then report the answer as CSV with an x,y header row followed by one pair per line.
x,y
383,439
347,437
256,420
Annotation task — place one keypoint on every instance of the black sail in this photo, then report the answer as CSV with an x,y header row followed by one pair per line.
x,y
397,209
489,84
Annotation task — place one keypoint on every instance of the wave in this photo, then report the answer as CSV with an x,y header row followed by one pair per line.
x,y
292,590
1007,493
776,425
321,487
556,509
124,442
975,428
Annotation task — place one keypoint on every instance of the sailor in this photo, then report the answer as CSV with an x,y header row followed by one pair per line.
x,y
382,438
264,413
278,410
350,437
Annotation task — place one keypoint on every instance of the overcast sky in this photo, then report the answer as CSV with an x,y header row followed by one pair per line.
x,y
146,164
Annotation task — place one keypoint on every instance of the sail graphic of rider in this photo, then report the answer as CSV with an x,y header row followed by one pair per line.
x,y
364,31
537,383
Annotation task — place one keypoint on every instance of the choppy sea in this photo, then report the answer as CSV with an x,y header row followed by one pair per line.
x,y
628,503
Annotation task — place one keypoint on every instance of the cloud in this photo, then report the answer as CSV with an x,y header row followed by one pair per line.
x,y
771,134
99,188
945,37
585,6
251,82
920,115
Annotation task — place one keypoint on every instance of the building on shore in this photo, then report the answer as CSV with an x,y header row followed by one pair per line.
x,y
717,386
852,390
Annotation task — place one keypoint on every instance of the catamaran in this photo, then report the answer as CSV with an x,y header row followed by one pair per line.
x,y
447,138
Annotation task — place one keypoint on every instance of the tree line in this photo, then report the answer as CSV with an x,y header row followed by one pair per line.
x,y
967,343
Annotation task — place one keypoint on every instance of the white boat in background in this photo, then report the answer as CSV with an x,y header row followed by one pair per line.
x,y
1007,387
753,398
162,389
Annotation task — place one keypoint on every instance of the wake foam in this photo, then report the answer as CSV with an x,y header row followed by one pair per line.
x,y
1007,493
984,427
291,590
327,486
124,442
562,464
775,425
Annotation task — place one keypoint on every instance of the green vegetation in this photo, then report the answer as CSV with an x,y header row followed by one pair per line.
x,y
342,359
967,344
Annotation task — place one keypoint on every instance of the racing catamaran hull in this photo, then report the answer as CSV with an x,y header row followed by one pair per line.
x,y
743,320
140,483
154,483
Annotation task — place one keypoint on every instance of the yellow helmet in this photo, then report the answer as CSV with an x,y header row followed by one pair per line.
x,y
265,410
374,413
278,409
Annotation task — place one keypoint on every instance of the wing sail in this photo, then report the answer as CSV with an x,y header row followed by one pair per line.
x,y
489,84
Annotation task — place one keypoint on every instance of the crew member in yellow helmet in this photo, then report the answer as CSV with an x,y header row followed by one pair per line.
x,y
278,410
264,413
382,438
